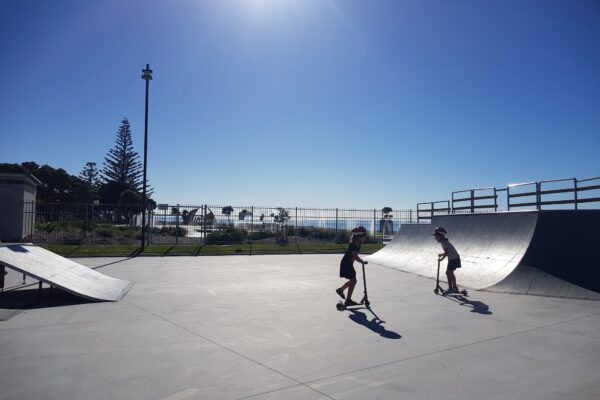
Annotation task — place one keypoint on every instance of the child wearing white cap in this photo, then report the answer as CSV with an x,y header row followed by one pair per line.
x,y
453,257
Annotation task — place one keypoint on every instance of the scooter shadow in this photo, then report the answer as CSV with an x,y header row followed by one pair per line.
x,y
476,306
374,324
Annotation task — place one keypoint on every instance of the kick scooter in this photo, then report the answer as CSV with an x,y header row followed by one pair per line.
x,y
438,289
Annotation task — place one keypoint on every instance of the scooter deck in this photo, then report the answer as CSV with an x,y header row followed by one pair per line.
x,y
440,291
341,306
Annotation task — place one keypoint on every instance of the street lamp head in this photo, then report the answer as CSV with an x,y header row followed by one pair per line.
x,y
147,73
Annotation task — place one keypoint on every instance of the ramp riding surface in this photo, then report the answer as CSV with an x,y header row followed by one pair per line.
x,y
548,253
68,275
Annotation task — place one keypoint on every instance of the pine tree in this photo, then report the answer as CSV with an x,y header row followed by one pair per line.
x,y
122,165
89,174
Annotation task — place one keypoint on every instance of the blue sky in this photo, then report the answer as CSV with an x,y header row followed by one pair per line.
x,y
346,103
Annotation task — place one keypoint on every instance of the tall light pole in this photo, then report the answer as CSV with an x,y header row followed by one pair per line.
x,y
147,76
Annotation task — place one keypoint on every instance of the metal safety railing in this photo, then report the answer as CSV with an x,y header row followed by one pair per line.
x,y
475,200
540,195
426,211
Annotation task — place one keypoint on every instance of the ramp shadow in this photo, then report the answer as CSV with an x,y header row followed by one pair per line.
x,y
476,306
29,299
374,324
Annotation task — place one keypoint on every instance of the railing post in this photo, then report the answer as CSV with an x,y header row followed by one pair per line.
x,y
472,201
495,200
508,198
538,196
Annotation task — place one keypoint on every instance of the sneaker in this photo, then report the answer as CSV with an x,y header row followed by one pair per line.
x,y
340,292
351,302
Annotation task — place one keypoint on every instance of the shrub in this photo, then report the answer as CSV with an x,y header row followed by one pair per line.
x,y
47,227
230,234
260,235
105,231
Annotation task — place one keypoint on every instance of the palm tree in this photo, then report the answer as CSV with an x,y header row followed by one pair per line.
x,y
227,210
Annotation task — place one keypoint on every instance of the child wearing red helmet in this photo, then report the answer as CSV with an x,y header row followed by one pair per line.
x,y
453,257
346,265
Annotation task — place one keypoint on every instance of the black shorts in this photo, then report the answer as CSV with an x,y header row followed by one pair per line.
x,y
347,271
453,264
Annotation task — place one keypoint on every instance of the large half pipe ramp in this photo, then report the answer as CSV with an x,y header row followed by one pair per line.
x,y
549,253
53,269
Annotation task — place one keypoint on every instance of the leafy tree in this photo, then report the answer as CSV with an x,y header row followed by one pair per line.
x,y
57,184
89,174
281,217
244,213
110,192
122,165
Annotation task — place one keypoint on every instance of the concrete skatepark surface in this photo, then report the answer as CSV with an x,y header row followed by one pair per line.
x,y
266,327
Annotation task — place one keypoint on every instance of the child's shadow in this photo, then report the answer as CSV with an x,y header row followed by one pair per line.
x,y
375,324
476,306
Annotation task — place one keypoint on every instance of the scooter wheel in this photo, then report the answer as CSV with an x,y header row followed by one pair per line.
x,y
340,306
367,303
464,292
436,291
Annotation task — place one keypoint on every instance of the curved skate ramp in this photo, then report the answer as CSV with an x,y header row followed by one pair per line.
x,y
548,253
70,276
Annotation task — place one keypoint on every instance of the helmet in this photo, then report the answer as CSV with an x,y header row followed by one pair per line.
x,y
359,231
440,231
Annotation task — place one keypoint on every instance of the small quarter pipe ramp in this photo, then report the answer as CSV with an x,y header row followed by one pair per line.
x,y
548,253
53,269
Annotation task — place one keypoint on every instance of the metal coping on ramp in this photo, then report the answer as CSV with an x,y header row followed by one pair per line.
x,y
547,253
63,273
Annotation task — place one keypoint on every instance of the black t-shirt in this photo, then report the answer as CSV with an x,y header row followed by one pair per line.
x,y
348,259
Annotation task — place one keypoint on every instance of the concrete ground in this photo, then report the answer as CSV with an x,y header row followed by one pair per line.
x,y
266,327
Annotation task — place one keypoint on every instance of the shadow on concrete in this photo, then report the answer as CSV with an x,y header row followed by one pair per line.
x,y
475,306
374,324
111,263
15,301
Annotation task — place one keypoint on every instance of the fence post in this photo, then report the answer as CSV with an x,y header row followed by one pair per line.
x,y
538,196
575,192
177,224
251,226
375,225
